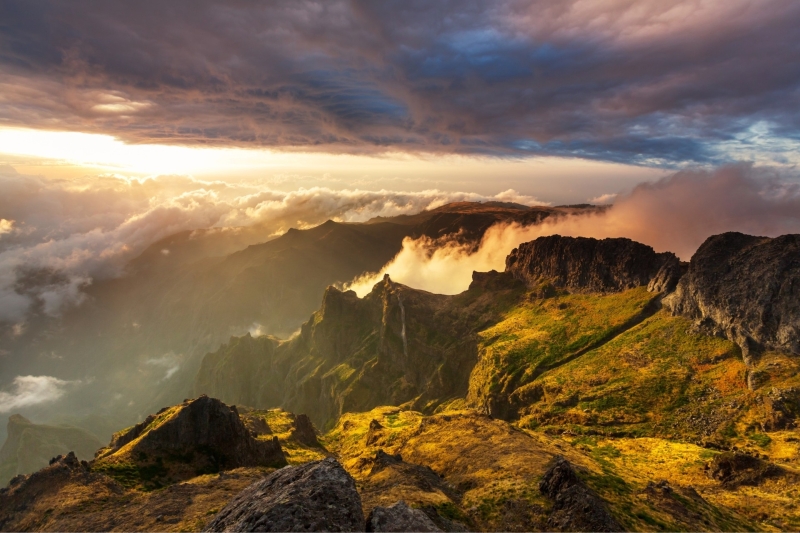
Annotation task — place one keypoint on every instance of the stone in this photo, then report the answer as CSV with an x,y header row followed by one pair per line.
x,y
315,496
575,506
304,431
733,469
399,517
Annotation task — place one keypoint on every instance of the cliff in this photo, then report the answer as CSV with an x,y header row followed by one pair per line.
x,y
746,288
591,265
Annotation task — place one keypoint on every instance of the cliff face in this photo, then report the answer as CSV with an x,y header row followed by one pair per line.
x,y
589,265
747,288
395,346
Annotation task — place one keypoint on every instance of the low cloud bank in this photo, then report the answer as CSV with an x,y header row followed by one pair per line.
x,y
57,236
674,214
27,391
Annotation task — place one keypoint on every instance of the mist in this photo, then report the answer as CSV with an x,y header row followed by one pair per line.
x,y
674,214
59,236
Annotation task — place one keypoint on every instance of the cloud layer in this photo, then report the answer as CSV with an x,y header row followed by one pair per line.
x,y
645,81
675,214
59,235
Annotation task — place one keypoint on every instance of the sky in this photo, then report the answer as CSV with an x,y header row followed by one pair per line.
x,y
121,123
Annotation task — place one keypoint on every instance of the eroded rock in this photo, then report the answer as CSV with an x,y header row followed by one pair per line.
x,y
592,265
747,288
575,506
316,496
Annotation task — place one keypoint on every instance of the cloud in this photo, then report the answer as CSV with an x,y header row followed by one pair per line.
x,y
674,214
603,198
27,391
68,233
170,362
648,82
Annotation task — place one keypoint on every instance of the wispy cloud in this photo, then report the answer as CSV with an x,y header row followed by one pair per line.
x,y
27,391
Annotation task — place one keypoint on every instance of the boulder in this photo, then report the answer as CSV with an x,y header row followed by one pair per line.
x,y
399,517
733,469
304,431
575,506
315,496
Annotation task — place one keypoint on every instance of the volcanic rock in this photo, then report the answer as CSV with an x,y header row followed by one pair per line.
x,y
733,469
399,517
575,506
315,496
591,265
747,288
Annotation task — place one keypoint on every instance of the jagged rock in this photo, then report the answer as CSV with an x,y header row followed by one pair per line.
x,y
747,288
581,264
399,517
304,431
203,427
493,281
781,409
733,469
316,496
374,433
575,506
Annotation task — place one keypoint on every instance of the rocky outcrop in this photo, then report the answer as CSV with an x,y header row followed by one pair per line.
x,y
399,517
304,431
746,288
575,506
591,265
733,469
200,428
316,496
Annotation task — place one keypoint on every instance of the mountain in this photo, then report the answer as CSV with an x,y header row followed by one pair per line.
x,y
188,293
572,333
30,446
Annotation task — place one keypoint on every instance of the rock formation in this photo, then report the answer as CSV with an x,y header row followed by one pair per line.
x,y
747,288
580,264
575,506
304,431
399,517
203,430
733,469
316,496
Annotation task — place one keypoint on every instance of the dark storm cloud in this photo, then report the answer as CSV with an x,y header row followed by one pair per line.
x,y
645,82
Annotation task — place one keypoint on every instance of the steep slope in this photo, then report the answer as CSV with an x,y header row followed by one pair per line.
x,y
396,345
29,447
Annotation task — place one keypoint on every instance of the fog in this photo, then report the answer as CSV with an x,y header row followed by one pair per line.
x,y
674,214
